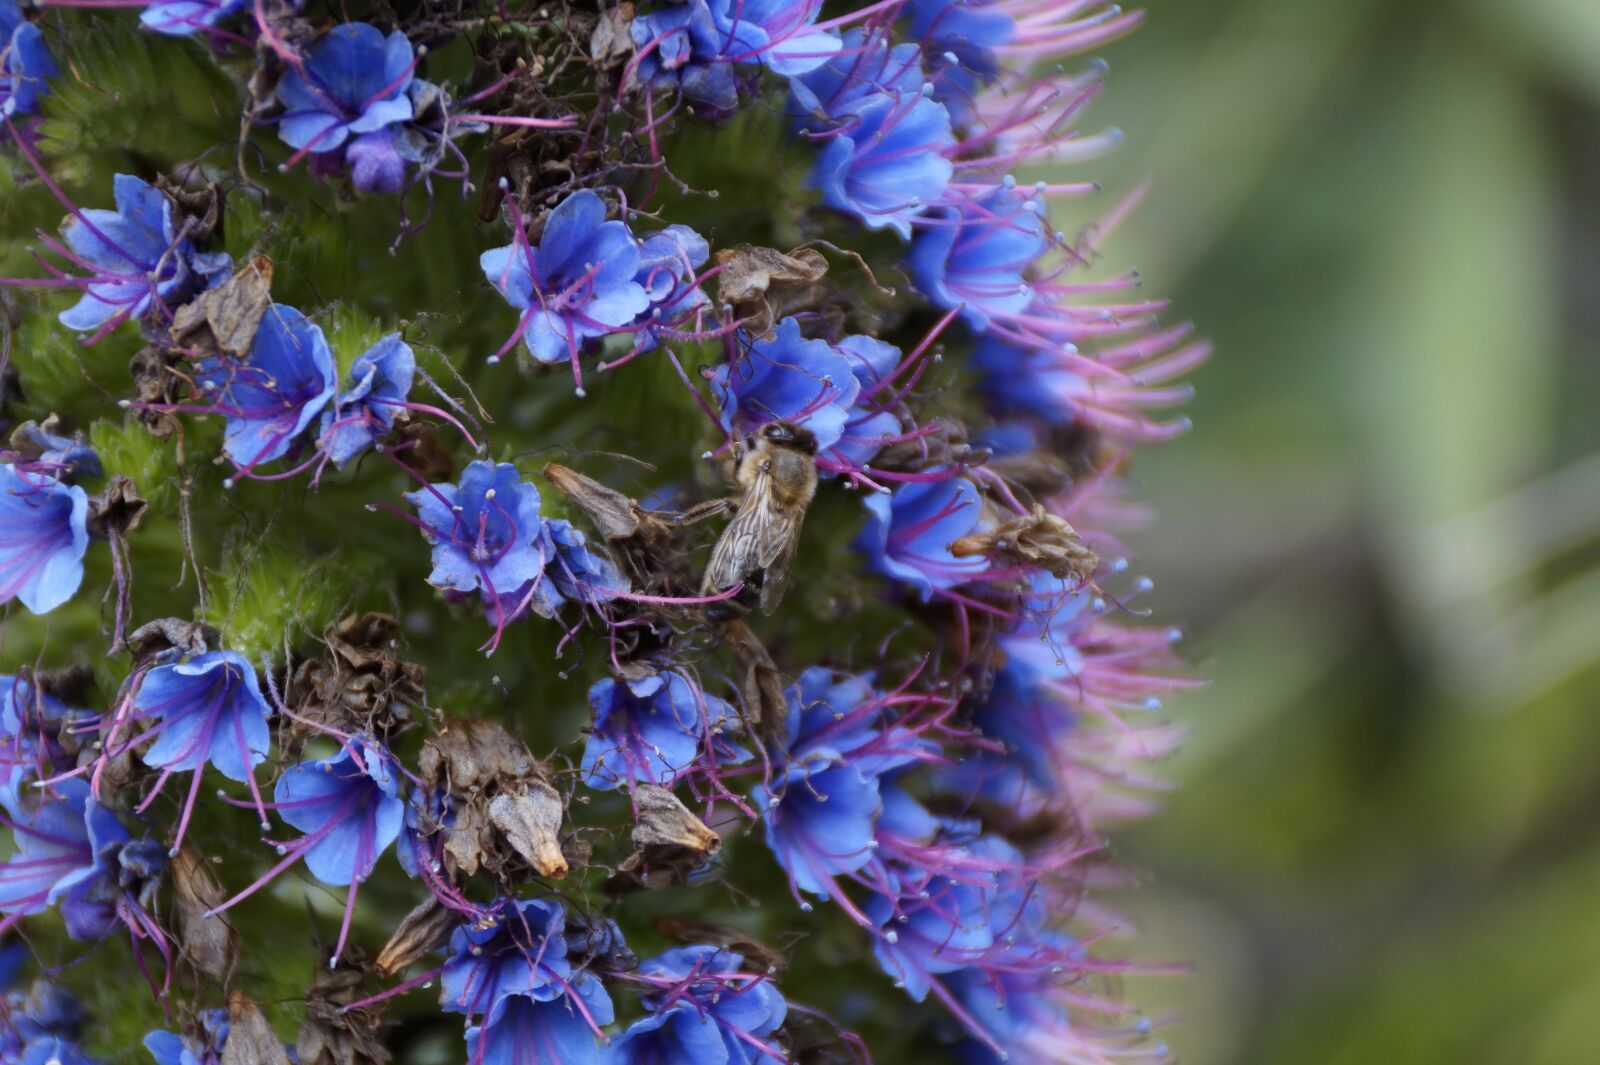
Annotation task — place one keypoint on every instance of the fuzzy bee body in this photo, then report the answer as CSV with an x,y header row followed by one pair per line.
x,y
778,475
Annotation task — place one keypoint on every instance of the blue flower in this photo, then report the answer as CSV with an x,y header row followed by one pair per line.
x,y
65,457
1040,647
203,1046
889,165
180,18
577,571
776,33
30,727
75,852
487,536
121,877
139,255
52,1050
868,425
347,806
52,840
44,533
280,388
1017,380
668,260
681,44
788,378
977,258
908,533
352,84
579,283
373,398
25,63
705,1009
208,709
944,926
648,730
867,70
519,950
528,1031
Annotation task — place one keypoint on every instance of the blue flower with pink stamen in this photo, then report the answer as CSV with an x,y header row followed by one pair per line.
x,y
909,531
138,256
706,1008
271,397
44,533
889,165
579,283
349,808
788,378
374,397
649,730
976,256
868,69
180,18
488,539
206,710
350,89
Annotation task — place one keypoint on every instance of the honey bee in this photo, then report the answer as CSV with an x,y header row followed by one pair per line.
x,y
778,472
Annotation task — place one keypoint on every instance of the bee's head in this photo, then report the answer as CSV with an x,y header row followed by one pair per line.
x,y
787,434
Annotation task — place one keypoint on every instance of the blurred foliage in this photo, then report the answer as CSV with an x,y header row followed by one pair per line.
x,y
1385,527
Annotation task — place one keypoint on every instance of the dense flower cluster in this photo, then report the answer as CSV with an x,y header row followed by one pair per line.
x,y
928,740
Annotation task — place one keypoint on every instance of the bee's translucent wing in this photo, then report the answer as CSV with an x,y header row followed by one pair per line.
x,y
757,544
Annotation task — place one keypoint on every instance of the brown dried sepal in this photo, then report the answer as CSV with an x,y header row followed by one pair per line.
x,y
171,636
1036,539
764,284
420,932
331,1036
200,203
28,441
611,43
117,510
155,384
647,544
507,816
670,842
208,945
225,318
251,1040
363,685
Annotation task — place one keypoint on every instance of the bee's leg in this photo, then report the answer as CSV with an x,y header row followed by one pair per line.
x,y
711,508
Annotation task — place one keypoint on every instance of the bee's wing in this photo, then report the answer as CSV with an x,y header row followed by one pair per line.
x,y
760,535
778,553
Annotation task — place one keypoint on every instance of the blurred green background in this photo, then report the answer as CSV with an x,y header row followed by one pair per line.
x,y
1384,530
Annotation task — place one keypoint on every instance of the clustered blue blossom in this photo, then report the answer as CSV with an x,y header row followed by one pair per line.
x,y
897,803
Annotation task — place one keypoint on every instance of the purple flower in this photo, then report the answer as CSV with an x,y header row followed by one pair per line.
x,y
649,730
276,392
977,256
348,808
208,709
44,533
706,1008
867,70
180,18
908,533
945,926
487,538
374,397
203,1046
788,378
25,63
579,283
527,1031
137,255
351,86
889,164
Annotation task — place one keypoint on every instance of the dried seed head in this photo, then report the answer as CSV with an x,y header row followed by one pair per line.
x,y
1036,539
251,1040
421,932
209,945
763,285
225,319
